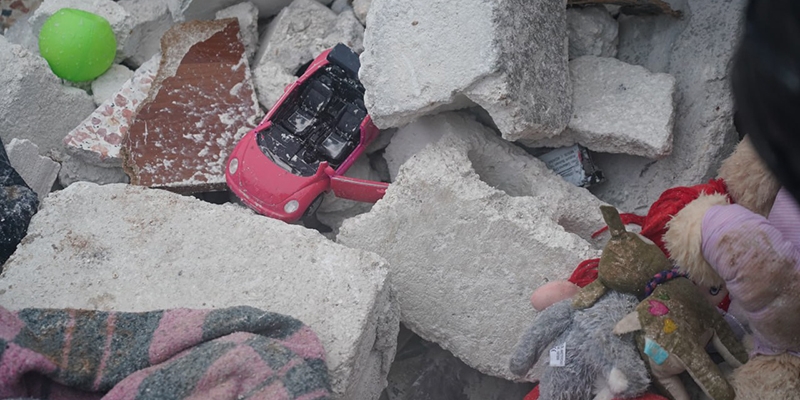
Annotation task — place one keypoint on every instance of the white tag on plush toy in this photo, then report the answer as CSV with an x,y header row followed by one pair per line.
x,y
558,355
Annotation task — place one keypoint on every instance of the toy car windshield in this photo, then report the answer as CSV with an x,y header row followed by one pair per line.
x,y
320,120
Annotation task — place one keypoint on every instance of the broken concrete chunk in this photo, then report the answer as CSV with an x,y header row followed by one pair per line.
x,y
361,8
592,32
509,57
339,6
696,50
151,19
619,108
108,84
470,227
39,172
121,21
299,33
127,248
247,14
74,169
12,10
98,139
201,102
35,105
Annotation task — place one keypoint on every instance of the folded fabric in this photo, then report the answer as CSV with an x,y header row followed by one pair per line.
x,y
231,353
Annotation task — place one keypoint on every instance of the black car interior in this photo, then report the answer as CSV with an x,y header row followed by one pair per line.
x,y
320,120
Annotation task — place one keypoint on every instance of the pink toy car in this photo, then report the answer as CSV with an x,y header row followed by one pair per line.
x,y
312,135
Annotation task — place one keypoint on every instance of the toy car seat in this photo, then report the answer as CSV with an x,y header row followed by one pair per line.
x,y
313,100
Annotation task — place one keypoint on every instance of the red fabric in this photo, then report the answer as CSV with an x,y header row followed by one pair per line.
x,y
654,224
585,273
534,395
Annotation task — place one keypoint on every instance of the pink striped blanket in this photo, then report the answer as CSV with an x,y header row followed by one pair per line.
x,y
231,353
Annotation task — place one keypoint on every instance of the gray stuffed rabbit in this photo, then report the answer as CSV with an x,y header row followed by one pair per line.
x,y
588,358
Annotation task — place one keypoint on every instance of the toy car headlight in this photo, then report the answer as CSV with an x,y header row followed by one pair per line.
x,y
233,166
291,206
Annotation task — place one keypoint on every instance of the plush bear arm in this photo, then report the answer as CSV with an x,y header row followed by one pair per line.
x,y
550,323
684,239
750,254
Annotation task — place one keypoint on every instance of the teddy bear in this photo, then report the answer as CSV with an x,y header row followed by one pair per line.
x,y
752,247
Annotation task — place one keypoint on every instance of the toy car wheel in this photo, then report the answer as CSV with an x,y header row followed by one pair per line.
x,y
310,220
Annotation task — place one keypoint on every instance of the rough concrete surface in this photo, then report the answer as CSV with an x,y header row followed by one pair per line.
x,y
151,19
470,227
121,21
126,248
361,8
296,36
108,84
76,169
696,50
39,172
34,105
592,32
619,108
509,57
247,14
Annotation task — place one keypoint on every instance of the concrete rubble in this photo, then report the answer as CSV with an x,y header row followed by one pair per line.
x,y
121,20
696,50
509,57
39,172
470,226
361,8
247,14
35,105
619,108
92,247
592,32
98,139
423,370
108,84
12,10
186,127
299,33
151,19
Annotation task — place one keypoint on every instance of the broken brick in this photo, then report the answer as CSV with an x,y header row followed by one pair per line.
x,y
201,102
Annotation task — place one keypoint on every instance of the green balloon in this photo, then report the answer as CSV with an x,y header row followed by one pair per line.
x,y
78,45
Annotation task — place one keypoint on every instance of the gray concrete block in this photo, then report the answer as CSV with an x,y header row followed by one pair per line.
x,y
470,227
696,50
619,108
126,248
151,19
591,32
35,105
509,57
108,84
39,172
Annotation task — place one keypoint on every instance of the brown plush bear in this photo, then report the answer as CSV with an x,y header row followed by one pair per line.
x,y
752,247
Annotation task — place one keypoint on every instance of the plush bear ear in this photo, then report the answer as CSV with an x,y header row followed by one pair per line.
x,y
684,239
749,181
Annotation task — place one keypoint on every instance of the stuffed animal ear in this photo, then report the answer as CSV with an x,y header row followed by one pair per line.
x,y
588,295
628,323
684,239
750,183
